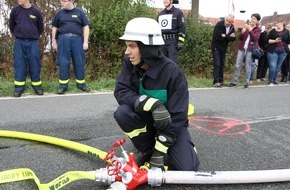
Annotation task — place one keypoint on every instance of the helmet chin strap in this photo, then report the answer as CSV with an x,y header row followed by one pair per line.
x,y
141,64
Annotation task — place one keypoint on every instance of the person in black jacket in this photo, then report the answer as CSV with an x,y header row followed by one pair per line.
x,y
263,62
224,32
171,20
152,93
285,64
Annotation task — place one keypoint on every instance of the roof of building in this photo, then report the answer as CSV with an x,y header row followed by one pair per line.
x,y
272,19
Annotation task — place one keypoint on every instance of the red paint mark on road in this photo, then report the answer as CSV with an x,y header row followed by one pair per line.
x,y
220,125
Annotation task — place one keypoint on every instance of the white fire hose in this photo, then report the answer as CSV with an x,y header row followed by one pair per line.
x,y
157,177
226,177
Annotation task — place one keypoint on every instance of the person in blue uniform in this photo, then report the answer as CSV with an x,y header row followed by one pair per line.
x,y
26,25
153,104
171,20
70,34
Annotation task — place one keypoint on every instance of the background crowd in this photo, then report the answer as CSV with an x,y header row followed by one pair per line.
x,y
273,44
184,60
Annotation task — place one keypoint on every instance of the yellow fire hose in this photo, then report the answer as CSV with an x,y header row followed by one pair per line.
x,y
25,173
55,141
58,183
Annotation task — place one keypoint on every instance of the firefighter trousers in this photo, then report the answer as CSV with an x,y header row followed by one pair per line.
x,y
170,50
71,48
139,128
26,58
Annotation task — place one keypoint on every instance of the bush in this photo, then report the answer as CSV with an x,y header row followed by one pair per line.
x,y
195,57
107,23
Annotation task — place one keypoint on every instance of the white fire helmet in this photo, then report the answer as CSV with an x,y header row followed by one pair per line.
x,y
145,30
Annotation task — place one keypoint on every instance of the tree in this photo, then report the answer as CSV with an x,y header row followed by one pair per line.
x,y
195,10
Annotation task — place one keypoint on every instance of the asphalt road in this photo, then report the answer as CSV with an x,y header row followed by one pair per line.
x,y
234,130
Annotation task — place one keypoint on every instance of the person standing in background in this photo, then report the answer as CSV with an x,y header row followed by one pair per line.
x,y
224,32
288,56
171,20
285,64
72,26
263,62
248,38
26,25
278,40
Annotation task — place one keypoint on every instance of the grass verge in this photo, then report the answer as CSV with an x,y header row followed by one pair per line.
x,y
51,87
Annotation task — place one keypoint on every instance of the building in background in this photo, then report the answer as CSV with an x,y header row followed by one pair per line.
x,y
272,19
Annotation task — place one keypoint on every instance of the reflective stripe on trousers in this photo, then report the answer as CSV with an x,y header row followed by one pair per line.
x,y
26,58
71,48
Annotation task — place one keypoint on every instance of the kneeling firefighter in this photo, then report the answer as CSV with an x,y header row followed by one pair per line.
x,y
152,93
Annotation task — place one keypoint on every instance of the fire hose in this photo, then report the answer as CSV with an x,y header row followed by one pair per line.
x,y
123,173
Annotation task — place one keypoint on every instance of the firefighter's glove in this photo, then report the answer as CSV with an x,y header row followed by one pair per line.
x,y
162,144
162,118
146,103
181,40
157,160
160,114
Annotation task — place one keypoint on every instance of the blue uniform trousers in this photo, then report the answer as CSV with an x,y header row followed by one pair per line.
x,y
26,56
181,156
71,48
169,49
